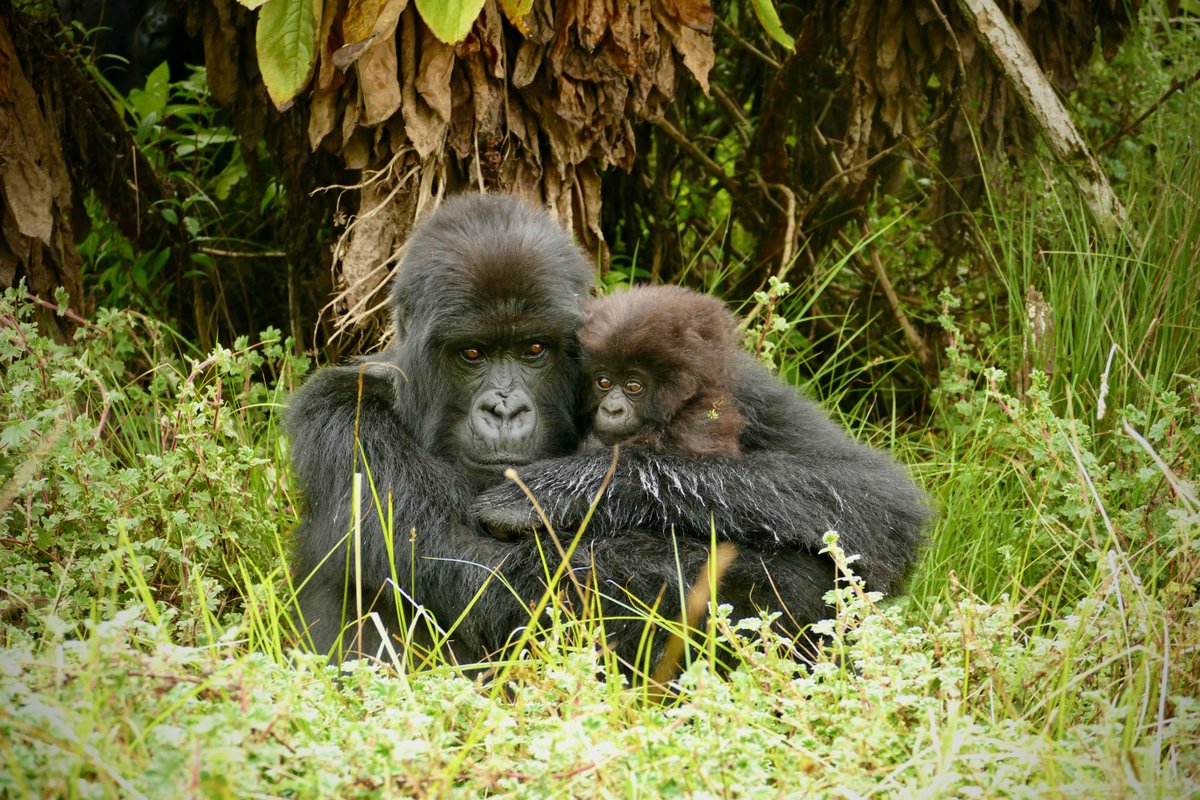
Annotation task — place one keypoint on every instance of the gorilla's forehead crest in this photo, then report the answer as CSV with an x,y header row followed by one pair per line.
x,y
492,251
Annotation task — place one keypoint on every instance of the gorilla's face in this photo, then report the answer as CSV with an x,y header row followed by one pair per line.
x,y
488,303
511,399
619,402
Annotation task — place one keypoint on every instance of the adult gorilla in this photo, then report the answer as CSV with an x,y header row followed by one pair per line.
x,y
483,375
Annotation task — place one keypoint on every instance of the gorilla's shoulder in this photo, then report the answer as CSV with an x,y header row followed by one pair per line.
x,y
329,391
778,415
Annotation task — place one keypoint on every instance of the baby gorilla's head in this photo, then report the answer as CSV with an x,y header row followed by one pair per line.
x,y
661,363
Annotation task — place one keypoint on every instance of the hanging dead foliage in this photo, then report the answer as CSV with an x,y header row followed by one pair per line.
x,y
538,99
542,96
61,138
902,79
36,242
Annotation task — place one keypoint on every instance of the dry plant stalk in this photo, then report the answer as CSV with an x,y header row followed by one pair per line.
x,y
703,589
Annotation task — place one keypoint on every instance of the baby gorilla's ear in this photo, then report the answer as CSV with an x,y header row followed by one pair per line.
x,y
673,391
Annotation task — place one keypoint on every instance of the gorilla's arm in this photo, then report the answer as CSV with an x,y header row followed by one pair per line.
x,y
448,569
800,476
447,561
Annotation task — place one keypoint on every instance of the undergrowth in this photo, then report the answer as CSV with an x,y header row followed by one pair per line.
x,y
1048,646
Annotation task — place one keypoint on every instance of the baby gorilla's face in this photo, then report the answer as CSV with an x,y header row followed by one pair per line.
x,y
621,401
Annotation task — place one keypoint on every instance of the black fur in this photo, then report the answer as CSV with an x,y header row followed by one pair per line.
x,y
492,273
799,476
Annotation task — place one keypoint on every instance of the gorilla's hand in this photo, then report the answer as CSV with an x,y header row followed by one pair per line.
x,y
508,516
564,487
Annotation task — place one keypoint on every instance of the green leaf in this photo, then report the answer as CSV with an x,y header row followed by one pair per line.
x,y
769,19
285,43
450,20
152,98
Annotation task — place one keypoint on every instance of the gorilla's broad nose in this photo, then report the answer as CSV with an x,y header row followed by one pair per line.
x,y
504,413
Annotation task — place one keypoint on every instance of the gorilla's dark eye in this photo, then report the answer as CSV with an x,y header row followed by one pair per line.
x,y
603,383
472,354
633,386
535,349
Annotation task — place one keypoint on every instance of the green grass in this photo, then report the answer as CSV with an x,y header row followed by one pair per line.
x,y
1049,645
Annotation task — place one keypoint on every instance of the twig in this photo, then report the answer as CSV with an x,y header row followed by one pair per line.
x,y
842,172
785,263
789,238
1176,86
915,341
711,166
733,113
66,312
212,251
725,26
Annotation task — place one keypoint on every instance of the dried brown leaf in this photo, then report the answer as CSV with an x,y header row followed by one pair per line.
x,y
591,18
322,117
425,126
328,41
379,82
433,77
694,14
374,19
697,51
460,138
487,96
517,12
28,190
529,59
356,152
891,34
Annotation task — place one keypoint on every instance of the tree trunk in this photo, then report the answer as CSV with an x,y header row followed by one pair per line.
x,y
1012,56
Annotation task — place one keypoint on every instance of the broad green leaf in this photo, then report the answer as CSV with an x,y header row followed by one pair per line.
x,y
450,20
153,97
251,4
769,19
285,43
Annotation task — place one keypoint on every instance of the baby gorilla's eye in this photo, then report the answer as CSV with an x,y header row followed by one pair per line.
x,y
633,386
535,349
603,383
472,354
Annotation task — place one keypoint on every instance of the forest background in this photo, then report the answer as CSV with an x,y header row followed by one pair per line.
x,y
896,220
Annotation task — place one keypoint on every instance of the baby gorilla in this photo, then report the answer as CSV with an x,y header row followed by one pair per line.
x,y
662,363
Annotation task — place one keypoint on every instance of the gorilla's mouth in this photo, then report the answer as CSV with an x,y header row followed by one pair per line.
x,y
614,434
497,462
489,470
